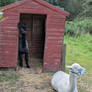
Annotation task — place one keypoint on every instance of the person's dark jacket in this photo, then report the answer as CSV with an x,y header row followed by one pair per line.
x,y
21,47
23,44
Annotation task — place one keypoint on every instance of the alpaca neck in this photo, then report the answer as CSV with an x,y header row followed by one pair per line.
x,y
72,82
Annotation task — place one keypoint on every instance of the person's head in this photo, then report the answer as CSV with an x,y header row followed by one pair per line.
x,y
22,28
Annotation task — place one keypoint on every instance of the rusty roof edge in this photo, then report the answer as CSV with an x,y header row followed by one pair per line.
x,y
53,7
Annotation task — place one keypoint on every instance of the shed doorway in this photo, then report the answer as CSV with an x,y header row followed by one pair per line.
x,y
35,36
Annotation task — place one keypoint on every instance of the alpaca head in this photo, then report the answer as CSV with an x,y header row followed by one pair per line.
x,y
76,69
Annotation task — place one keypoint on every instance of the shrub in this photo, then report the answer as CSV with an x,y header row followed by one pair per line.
x,y
79,27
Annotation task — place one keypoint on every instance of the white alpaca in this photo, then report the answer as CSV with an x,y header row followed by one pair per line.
x,y
63,82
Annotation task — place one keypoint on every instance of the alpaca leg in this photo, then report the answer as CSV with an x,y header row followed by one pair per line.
x,y
26,60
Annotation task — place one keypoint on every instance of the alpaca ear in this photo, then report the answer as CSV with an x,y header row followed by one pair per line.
x,y
69,67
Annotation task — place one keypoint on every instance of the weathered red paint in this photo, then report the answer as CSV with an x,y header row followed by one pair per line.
x,y
55,23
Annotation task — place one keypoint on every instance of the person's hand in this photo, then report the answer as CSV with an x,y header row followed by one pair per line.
x,y
22,31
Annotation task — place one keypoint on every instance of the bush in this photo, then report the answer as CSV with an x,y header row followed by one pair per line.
x,y
78,27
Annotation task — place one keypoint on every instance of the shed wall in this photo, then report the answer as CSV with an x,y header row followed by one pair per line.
x,y
54,41
54,35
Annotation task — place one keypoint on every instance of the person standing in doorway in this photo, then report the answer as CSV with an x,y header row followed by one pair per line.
x,y
23,45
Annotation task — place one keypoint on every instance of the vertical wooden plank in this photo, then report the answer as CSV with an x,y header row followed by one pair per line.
x,y
63,57
37,35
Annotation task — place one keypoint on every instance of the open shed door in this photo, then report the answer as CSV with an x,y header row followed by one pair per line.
x,y
38,36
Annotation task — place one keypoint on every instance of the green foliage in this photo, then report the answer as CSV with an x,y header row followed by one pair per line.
x,y
6,2
79,27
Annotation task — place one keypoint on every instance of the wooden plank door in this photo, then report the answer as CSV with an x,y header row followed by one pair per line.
x,y
38,36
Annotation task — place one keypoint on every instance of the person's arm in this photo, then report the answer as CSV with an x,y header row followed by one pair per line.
x,y
27,45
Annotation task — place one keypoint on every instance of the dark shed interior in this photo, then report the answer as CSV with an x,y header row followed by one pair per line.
x,y
35,34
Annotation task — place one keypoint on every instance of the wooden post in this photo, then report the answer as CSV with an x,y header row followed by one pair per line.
x,y
63,57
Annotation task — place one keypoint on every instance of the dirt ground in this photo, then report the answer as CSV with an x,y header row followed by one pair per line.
x,y
30,80
33,80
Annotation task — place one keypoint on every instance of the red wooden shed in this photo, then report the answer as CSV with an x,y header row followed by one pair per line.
x,y
45,33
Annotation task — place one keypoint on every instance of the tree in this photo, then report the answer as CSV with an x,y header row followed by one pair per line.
x,y
6,2
87,8
74,7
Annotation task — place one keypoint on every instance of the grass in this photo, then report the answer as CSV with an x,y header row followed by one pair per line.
x,y
8,80
8,77
79,50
